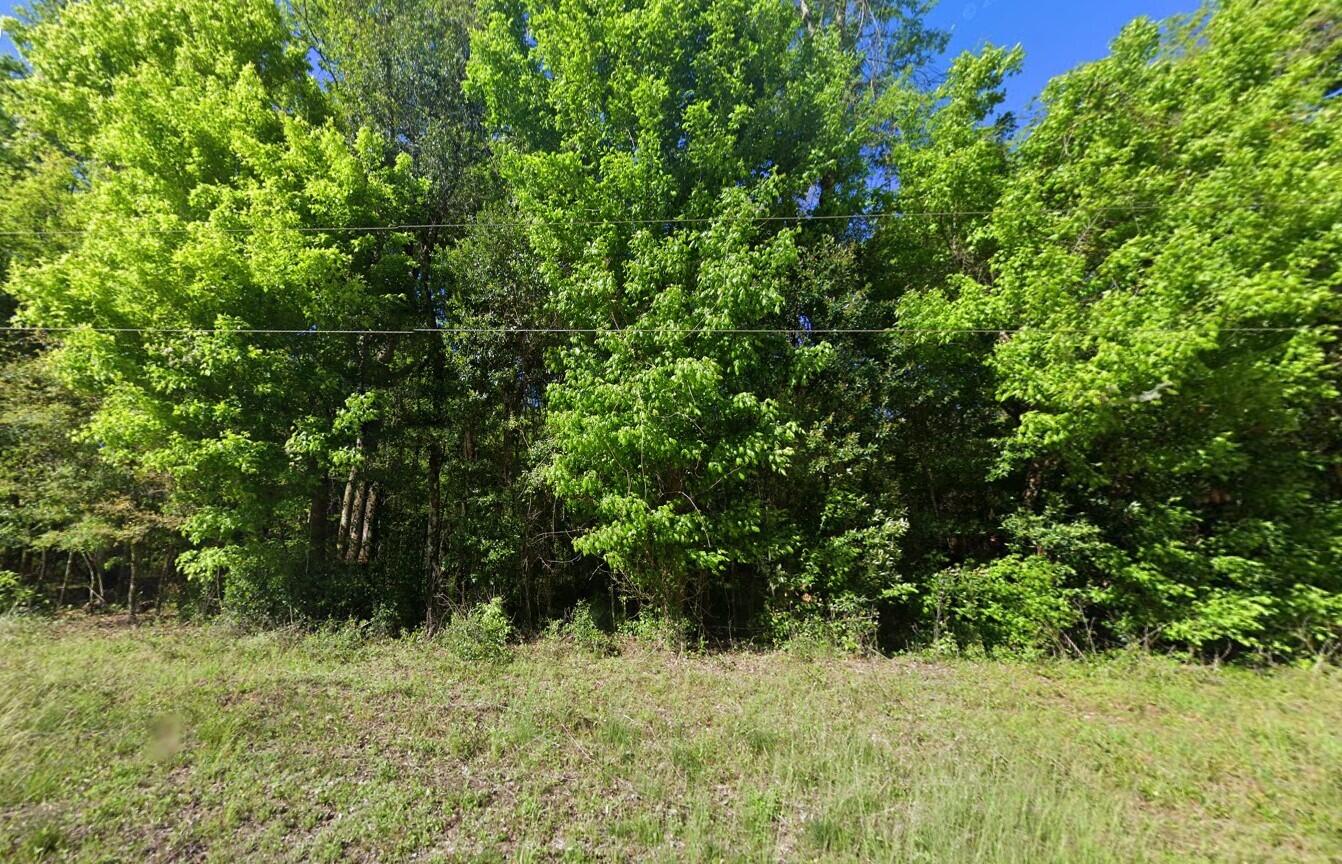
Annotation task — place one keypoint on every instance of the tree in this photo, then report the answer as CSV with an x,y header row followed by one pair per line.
x,y
1165,264
717,312
58,498
469,399
945,152
656,152
215,199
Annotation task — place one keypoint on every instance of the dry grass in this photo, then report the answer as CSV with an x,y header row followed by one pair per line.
x,y
179,743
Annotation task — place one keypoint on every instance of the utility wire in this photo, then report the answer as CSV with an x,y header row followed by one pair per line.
x,y
635,331
673,220
509,223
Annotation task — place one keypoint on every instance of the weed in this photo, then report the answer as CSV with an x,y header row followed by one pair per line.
x,y
189,742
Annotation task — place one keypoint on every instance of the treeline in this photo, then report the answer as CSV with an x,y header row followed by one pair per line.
x,y
734,319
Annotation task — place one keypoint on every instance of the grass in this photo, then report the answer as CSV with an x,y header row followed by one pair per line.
x,y
173,743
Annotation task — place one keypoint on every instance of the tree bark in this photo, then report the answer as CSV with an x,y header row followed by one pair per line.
x,y
130,586
317,527
433,564
346,505
355,521
69,566
369,519
168,559
94,580
433,537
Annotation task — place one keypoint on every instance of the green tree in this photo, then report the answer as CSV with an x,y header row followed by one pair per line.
x,y
68,518
656,151
458,445
214,199
1164,268
945,151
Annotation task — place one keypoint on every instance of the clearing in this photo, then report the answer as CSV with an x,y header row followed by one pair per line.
x,y
175,742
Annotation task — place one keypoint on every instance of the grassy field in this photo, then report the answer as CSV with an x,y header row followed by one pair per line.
x,y
173,743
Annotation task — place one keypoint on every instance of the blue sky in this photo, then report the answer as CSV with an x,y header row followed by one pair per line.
x,y
1056,34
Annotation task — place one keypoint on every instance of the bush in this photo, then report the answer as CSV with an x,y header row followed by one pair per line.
x,y
480,634
385,621
656,630
846,626
14,594
582,631
1018,604
345,640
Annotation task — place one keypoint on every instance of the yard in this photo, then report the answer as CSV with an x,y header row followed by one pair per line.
x,y
193,742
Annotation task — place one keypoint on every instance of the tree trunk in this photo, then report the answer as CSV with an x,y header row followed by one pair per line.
x,y
168,560
317,527
94,580
1034,483
433,539
462,571
369,518
355,521
130,586
69,566
346,506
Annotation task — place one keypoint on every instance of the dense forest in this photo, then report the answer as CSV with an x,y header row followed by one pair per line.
x,y
726,319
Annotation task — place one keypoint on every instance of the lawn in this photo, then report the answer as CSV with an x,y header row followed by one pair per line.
x,y
176,742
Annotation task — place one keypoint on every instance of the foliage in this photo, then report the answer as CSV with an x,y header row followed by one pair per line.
x,y
455,440
654,629
725,317
847,627
14,594
206,171
1175,203
581,629
479,634
401,78
674,433
1017,604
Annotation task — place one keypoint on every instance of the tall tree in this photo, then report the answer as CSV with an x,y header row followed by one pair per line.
x,y
215,200
459,438
657,150
945,156
1165,271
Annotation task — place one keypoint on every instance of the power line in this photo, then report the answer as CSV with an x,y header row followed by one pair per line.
x,y
638,331
510,223
576,223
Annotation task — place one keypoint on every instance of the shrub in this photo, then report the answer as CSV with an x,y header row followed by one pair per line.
x,y
1018,604
480,634
345,640
583,632
385,621
13,593
656,630
847,625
